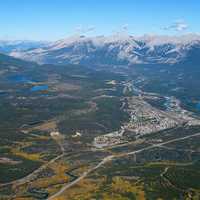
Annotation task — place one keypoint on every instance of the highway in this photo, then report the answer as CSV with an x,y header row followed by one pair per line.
x,y
111,157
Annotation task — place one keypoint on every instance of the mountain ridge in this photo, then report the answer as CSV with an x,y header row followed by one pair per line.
x,y
114,50
8,46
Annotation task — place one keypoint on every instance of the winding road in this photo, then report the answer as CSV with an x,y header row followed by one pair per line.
x,y
111,157
33,174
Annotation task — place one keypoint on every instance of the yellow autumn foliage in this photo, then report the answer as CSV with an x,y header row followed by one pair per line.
x,y
120,185
29,156
59,176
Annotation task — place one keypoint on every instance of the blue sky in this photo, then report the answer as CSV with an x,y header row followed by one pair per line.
x,y
56,19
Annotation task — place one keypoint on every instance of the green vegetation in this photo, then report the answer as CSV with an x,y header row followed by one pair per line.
x,y
89,102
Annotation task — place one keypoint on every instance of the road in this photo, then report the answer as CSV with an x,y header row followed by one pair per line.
x,y
65,187
111,157
32,175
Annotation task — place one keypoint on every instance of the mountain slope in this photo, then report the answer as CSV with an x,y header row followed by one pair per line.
x,y
12,62
114,50
20,45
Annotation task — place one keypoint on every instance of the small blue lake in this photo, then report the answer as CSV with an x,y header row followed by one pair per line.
x,y
37,88
2,93
198,106
19,79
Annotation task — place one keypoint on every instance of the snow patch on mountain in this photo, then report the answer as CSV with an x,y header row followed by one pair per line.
x,y
115,49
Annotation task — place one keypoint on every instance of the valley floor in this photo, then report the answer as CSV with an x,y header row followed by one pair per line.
x,y
87,136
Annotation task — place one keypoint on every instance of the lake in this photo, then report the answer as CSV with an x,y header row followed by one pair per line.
x,y
19,79
198,106
37,88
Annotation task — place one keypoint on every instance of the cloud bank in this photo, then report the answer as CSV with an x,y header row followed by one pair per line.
x,y
179,25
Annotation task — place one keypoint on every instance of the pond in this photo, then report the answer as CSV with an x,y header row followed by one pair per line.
x,y
3,93
198,106
37,88
19,79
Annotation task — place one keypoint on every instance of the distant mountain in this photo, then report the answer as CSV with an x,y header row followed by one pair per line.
x,y
20,45
9,61
116,50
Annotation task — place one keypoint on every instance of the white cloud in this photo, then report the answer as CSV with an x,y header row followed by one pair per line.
x,y
122,30
179,25
125,27
82,30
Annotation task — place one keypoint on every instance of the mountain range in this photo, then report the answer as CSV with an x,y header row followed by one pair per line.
x,y
114,50
8,46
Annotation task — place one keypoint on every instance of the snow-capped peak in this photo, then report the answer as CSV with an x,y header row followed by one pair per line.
x,y
113,49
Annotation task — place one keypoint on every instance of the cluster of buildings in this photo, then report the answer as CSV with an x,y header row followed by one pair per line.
x,y
145,119
109,139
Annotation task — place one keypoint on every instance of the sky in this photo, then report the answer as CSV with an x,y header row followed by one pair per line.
x,y
57,19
